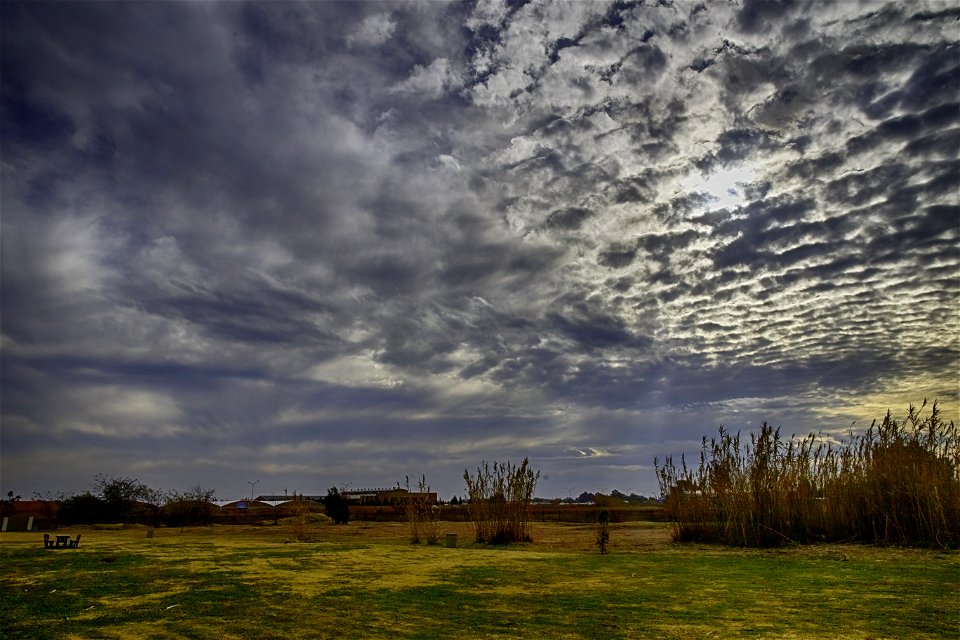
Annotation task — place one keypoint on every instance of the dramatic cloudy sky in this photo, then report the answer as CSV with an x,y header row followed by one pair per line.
x,y
339,243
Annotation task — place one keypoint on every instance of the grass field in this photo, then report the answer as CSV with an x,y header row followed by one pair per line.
x,y
366,580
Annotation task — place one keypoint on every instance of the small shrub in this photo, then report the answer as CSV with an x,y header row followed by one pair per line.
x,y
300,511
336,506
603,531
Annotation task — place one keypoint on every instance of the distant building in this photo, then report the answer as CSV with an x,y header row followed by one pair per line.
x,y
243,505
377,496
278,499
383,496
39,514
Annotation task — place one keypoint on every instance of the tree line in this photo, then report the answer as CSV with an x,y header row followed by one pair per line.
x,y
127,500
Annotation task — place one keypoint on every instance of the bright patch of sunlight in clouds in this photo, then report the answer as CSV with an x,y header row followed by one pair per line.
x,y
360,370
725,186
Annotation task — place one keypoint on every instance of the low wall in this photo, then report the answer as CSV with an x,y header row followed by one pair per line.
x,y
537,513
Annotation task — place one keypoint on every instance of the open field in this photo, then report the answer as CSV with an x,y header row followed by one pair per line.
x,y
366,580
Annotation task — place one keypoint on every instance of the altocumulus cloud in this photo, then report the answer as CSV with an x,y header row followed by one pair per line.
x,y
320,243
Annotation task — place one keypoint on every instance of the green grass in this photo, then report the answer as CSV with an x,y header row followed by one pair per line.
x,y
366,581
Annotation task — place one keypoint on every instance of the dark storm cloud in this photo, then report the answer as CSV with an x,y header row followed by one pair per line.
x,y
569,218
617,256
300,239
757,14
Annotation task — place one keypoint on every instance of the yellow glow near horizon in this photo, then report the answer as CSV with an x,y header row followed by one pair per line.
x,y
874,406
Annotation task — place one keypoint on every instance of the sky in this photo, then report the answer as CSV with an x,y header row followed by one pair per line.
x,y
277,246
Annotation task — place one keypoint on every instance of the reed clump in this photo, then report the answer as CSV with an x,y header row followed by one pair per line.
x,y
896,483
300,515
423,515
499,501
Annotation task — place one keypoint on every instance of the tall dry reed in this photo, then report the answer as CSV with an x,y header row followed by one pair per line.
x,y
896,483
422,514
300,512
499,501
